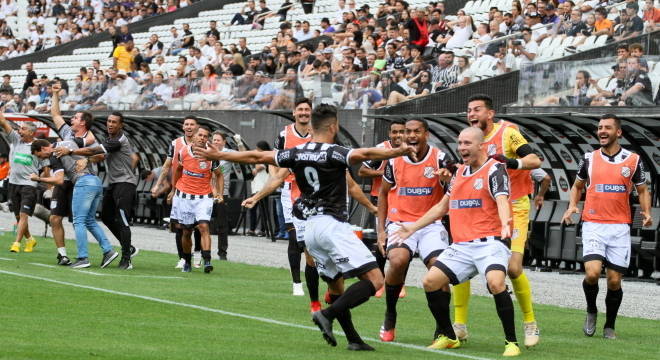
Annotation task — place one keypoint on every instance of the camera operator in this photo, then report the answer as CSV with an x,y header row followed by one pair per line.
x,y
526,48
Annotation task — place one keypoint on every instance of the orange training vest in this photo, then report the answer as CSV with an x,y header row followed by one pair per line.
x,y
291,140
416,188
196,176
609,186
472,209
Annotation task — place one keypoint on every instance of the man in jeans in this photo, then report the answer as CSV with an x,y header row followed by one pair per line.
x,y
87,191
22,190
121,161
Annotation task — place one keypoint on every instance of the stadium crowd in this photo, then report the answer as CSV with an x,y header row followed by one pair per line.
x,y
385,56
51,23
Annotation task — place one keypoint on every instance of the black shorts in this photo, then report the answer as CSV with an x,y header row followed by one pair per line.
x,y
22,199
60,203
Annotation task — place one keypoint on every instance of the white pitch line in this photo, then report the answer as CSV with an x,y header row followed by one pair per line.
x,y
118,275
6,259
229,313
43,265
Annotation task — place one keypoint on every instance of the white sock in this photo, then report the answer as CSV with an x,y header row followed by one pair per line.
x,y
61,251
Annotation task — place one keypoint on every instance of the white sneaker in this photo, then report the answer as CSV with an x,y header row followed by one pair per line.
x,y
197,259
461,331
531,333
179,265
298,289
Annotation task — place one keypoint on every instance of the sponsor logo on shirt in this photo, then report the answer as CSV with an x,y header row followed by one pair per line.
x,y
193,174
309,156
23,159
492,149
625,171
478,184
415,191
428,172
465,204
611,188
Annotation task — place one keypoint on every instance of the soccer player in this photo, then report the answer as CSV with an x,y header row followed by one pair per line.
x,y
60,203
375,170
320,170
292,136
192,197
609,175
22,190
477,202
410,188
170,165
504,143
121,161
87,191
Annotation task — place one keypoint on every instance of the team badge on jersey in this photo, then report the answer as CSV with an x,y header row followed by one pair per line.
x,y
625,171
428,172
202,165
492,149
478,184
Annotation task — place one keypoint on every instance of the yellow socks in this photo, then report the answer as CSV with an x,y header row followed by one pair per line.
x,y
523,293
461,302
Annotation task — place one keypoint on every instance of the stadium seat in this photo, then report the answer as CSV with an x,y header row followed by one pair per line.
x,y
539,230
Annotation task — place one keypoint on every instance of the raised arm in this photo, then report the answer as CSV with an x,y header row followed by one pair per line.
x,y
243,157
55,107
4,123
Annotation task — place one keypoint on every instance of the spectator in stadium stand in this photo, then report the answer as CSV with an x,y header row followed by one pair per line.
x,y
548,15
124,34
462,28
306,58
242,47
574,26
246,15
603,25
651,16
30,77
638,86
213,29
123,57
188,38
632,24
266,91
326,27
445,73
614,88
153,48
418,29
6,84
527,49
637,50
304,33
263,13
197,60
176,46
246,87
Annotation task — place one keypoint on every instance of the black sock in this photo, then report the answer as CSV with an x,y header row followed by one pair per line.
x,y
198,240
504,307
590,293
206,254
179,245
293,253
391,298
380,260
355,295
346,323
312,280
187,258
612,303
438,302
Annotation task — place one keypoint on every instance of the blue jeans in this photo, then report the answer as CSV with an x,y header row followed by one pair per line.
x,y
86,197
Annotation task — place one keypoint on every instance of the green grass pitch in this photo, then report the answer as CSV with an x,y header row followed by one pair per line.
x,y
244,312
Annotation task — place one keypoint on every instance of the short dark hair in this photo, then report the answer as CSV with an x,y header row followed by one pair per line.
x,y
488,101
263,145
38,144
302,100
397,122
323,115
425,124
623,46
203,127
616,119
218,132
191,117
118,114
87,119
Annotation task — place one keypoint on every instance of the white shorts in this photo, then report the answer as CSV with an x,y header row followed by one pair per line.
x,y
287,204
189,211
609,243
337,251
462,261
428,241
299,225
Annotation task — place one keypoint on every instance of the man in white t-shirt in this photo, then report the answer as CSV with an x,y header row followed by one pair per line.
x,y
527,49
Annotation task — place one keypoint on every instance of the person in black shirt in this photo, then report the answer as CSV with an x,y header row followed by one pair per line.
x,y
320,171
188,38
638,86
31,76
213,31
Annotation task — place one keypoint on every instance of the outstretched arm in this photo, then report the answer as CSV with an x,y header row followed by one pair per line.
x,y
243,157
374,153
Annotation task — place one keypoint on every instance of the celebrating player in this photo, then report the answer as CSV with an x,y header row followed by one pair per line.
x,y
319,168
609,174
192,197
410,188
477,202
504,143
